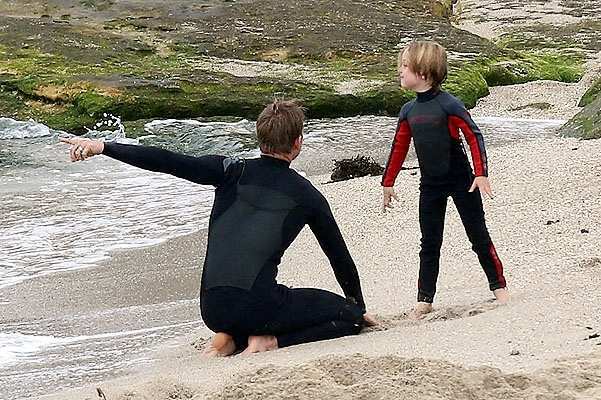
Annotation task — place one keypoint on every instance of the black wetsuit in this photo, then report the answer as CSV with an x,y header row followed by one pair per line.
x,y
260,207
434,120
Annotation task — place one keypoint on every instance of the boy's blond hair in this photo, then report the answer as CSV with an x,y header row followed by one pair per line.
x,y
426,58
279,125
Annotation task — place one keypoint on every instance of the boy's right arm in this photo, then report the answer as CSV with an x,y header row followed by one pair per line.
x,y
205,170
398,153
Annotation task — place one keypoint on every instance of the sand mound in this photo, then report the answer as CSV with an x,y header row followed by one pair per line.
x,y
391,377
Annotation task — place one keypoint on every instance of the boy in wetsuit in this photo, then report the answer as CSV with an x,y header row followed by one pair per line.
x,y
434,120
260,207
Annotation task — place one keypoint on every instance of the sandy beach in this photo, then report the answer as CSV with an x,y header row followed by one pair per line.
x,y
545,221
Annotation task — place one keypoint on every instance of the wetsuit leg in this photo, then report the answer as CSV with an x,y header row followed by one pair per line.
x,y
298,315
432,208
233,311
471,212
309,315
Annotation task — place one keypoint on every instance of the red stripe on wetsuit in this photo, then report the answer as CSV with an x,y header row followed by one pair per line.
x,y
476,146
398,153
498,265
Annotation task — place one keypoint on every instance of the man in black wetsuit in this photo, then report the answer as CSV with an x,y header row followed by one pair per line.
x,y
260,206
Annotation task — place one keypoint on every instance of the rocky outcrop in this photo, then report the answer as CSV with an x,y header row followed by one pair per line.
x,y
67,62
587,123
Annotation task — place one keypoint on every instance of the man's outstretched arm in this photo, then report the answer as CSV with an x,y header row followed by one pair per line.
x,y
326,230
205,170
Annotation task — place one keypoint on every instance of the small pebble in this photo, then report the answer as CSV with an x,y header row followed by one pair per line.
x,y
593,336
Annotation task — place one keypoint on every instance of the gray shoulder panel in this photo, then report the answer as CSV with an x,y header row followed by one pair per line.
x,y
405,109
229,161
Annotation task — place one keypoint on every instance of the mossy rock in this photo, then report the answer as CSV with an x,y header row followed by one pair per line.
x,y
443,8
586,124
530,66
570,38
537,106
591,94
468,84
142,64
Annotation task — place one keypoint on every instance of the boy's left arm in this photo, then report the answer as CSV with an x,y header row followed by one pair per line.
x,y
474,138
460,118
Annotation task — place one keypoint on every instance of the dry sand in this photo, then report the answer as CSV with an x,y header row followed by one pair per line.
x,y
546,223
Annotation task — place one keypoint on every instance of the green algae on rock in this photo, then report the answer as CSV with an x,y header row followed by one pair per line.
x,y
180,60
586,124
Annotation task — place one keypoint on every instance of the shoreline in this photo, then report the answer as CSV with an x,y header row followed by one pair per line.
x,y
131,266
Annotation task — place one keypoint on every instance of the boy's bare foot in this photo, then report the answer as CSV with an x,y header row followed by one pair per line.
x,y
502,295
369,320
221,345
420,310
260,344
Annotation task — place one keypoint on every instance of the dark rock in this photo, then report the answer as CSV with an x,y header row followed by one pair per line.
x,y
551,222
359,166
590,263
514,353
586,124
584,231
591,94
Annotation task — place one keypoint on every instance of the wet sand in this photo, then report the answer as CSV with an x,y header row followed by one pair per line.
x,y
156,274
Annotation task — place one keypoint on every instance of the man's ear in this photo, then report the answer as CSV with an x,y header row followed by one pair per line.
x,y
298,141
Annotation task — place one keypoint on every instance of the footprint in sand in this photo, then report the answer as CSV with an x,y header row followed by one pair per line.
x,y
441,314
590,263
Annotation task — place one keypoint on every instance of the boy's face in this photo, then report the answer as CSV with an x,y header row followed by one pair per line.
x,y
407,78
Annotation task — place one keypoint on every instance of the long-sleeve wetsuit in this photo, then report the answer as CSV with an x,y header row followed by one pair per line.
x,y
260,207
433,120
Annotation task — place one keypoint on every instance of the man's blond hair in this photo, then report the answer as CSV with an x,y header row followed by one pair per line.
x,y
427,59
279,125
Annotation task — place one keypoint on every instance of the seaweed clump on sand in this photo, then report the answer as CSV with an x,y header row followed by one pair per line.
x,y
356,167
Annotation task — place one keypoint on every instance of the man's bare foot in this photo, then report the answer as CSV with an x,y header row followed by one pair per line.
x,y
420,310
369,320
502,295
259,344
221,345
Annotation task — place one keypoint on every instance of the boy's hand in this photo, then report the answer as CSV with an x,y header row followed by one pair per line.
x,y
481,182
82,148
389,194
